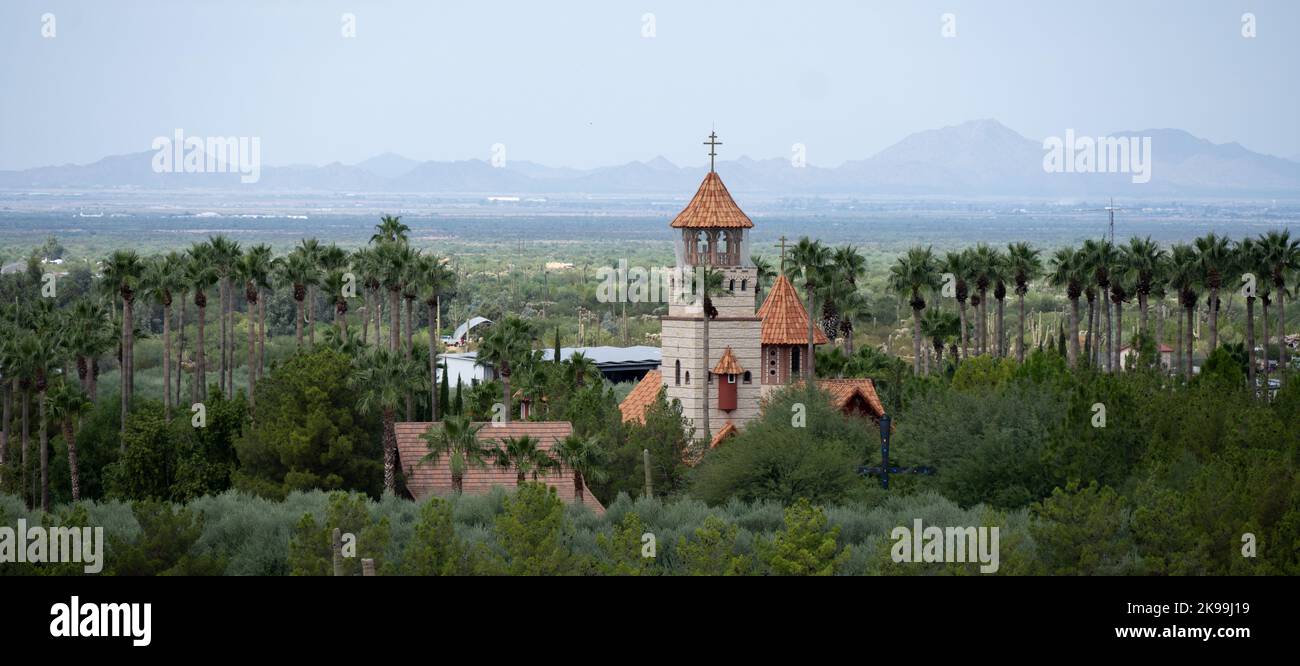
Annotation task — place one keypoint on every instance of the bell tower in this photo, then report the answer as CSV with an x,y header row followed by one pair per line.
x,y
711,238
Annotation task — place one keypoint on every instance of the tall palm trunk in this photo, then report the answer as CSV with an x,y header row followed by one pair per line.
x,y
1250,343
1073,349
311,315
45,447
1178,351
261,334
27,435
252,340
1142,316
1281,331
1214,320
1001,324
394,321
916,336
1119,334
124,359
200,354
180,352
410,397
1110,340
433,366
1263,320
365,318
390,451
167,358
961,315
221,348
9,389
505,391
298,322
1020,325
1191,321
71,439
1089,340
579,488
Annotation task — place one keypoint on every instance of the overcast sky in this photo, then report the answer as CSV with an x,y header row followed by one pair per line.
x,y
577,84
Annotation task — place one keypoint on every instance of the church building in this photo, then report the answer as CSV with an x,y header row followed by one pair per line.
x,y
749,351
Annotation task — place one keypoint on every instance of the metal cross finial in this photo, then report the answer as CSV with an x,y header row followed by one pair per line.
x,y
713,144
783,239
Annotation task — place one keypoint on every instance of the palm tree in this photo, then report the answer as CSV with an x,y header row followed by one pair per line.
x,y
914,273
390,230
852,308
1068,270
1144,257
252,271
763,274
525,455
939,327
808,260
1119,293
457,439
1103,259
997,273
299,270
1282,259
586,458
1185,276
958,264
580,369
122,271
90,335
393,259
1214,254
261,271
846,266
311,249
1247,256
199,276
436,281
225,254
1024,266
983,263
161,275
381,377
506,344
365,263
66,405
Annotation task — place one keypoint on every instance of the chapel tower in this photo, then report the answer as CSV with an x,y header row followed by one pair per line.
x,y
712,234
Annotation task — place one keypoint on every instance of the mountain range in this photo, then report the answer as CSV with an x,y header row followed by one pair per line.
x,y
976,158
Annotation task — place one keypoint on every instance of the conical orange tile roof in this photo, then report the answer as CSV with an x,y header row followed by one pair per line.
x,y
728,365
712,208
785,321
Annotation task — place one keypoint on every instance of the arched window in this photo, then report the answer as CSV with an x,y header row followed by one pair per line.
x,y
748,378
688,377
744,284
678,377
795,357
731,286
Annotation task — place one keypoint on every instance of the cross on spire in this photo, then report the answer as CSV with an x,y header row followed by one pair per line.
x,y
783,239
713,144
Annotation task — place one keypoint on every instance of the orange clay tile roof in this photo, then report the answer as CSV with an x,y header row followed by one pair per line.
x,y
644,393
785,321
712,208
729,430
425,478
843,390
728,365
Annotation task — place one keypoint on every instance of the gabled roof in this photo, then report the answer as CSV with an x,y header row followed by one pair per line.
x,y
729,430
425,478
644,393
785,321
712,208
843,391
728,365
